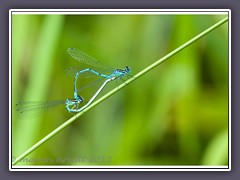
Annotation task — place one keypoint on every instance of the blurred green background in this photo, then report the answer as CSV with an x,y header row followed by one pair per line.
x,y
177,114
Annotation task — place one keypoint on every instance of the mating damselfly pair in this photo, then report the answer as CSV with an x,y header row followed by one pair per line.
x,y
75,104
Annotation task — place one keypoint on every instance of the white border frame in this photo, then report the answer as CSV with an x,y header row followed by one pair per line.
x,y
119,12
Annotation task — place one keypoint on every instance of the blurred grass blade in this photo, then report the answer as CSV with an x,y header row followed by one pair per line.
x,y
41,70
217,150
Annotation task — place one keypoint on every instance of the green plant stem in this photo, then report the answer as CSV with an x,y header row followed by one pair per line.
x,y
141,73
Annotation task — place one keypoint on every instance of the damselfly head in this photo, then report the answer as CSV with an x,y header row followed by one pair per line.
x,y
79,99
127,69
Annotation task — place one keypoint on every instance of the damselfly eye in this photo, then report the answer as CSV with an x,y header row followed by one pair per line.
x,y
80,98
127,69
